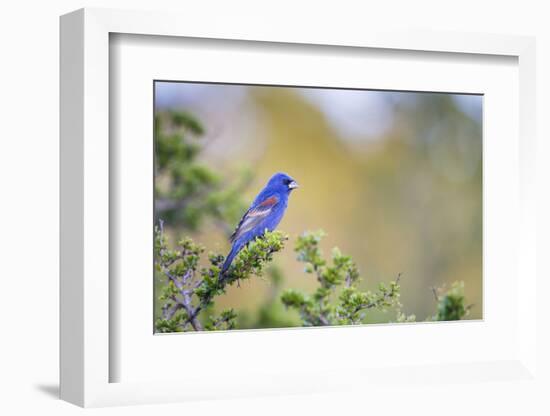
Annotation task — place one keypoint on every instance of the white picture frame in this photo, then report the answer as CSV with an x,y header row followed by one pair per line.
x,y
86,356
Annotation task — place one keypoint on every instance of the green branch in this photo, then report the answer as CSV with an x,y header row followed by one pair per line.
x,y
191,290
451,303
325,306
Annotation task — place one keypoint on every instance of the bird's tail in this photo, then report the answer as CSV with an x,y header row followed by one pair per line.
x,y
229,259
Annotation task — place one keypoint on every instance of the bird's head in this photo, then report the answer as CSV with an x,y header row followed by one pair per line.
x,y
281,182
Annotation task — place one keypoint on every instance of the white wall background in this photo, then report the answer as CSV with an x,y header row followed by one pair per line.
x,y
29,206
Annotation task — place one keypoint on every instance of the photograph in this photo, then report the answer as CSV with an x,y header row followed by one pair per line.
x,y
305,206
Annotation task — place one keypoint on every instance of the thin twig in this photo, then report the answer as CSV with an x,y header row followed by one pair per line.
x,y
186,301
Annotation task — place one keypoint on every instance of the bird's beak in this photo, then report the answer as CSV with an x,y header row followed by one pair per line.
x,y
293,185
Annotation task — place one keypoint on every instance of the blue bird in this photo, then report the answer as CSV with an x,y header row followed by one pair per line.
x,y
266,212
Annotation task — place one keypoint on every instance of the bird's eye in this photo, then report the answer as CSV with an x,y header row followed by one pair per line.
x,y
286,181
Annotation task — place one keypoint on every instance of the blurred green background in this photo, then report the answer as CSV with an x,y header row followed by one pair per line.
x,y
394,178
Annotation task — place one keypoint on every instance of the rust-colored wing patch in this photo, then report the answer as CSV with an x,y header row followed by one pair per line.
x,y
253,217
269,202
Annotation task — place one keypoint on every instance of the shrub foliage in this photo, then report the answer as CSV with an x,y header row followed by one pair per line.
x,y
190,290
337,300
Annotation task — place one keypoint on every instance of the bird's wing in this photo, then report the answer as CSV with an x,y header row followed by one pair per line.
x,y
254,216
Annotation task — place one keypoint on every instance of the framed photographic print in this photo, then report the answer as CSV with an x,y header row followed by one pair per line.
x,y
288,211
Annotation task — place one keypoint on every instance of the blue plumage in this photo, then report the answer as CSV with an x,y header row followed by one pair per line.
x,y
266,212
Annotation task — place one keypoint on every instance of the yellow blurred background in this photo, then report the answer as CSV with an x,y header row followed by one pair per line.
x,y
394,178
